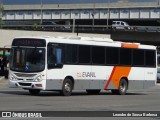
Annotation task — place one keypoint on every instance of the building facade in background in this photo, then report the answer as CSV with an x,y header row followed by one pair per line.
x,y
134,13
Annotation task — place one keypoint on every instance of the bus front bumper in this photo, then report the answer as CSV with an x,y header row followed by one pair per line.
x,y
26,85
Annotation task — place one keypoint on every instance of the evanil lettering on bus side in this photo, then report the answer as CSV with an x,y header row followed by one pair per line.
x,y
88,74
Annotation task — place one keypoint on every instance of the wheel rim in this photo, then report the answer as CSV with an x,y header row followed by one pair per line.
x,y
122,87
67,87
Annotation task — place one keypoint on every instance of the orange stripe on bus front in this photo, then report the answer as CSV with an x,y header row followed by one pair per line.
x,y
128,45
117,73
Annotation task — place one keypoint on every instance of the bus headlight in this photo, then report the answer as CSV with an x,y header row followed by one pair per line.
x,y
37,79
12,78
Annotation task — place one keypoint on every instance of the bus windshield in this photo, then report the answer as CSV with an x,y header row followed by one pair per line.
x,y
27,59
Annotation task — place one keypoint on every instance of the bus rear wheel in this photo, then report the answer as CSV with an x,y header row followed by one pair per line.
x,y
123,86
67,87
34,91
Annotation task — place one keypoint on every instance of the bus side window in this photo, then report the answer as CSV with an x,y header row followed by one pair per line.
x,y
58,56
158,61
51,55
54,57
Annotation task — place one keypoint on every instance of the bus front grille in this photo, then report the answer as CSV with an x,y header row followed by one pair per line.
x,y
24,84
25,75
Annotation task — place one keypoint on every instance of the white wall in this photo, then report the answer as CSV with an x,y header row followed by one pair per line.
x,y
95,13
10,16
114,14
104,14
155,13
37,15
75,14
135,13
66,14
85,14
19,15
124,14
28,15
56,15
47,15
145,13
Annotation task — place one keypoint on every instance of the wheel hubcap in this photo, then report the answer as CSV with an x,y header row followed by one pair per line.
x,y
67,87
122,87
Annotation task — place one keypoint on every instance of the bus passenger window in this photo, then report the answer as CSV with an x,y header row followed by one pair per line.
x,y
54,57
84,54
138,57
125,56
112,56
51,55
150,58
58,56
158,60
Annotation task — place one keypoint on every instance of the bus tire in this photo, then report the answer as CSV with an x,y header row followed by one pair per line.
x,y
123,86
34,91
67,87
93,92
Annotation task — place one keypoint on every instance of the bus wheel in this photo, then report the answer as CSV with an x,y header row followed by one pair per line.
x,y
93,92
67,87
34,91
123,86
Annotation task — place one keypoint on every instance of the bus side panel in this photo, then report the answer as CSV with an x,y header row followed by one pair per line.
x,y
136,78
94,78
89,77
149,83
81,84
100,77
80,74
150,77
54,79
54,84
141,78
135,84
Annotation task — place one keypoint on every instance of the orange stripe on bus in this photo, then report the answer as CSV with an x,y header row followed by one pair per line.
x,y
127,45
110,78
117,73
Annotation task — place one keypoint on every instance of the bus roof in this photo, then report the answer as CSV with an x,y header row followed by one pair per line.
x,y
88,41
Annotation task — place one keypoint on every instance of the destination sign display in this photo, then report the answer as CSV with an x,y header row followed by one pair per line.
x,y
29,42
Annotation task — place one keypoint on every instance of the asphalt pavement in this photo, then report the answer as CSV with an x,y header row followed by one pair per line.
x,y
12,99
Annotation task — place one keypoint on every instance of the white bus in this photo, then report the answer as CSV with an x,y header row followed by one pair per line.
x,y
81,63
158,68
